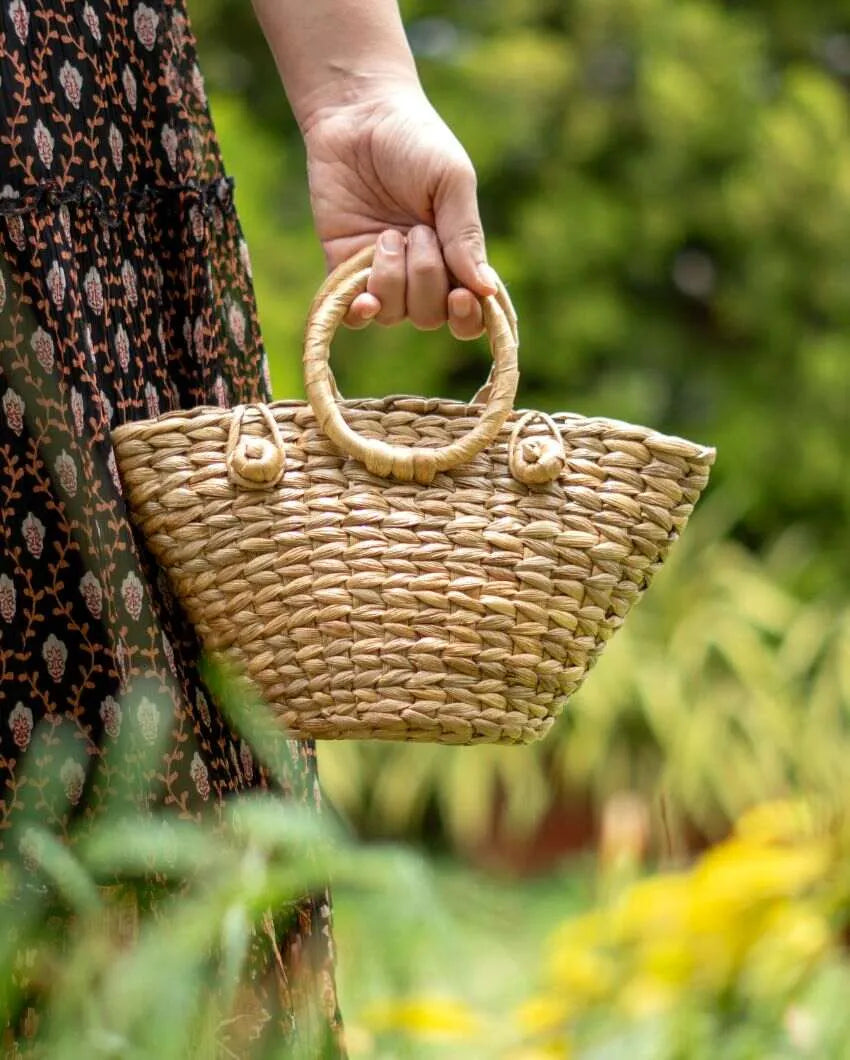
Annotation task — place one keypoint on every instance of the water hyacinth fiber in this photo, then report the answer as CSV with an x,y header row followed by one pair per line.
x,y
406,568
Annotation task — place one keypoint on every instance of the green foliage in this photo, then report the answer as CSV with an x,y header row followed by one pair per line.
x,y
131,933
739,956
665,186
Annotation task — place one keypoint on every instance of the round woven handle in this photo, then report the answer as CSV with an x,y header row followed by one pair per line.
x,y
402,462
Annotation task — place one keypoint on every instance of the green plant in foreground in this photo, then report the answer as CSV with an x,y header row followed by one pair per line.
x,y
171,983
740,956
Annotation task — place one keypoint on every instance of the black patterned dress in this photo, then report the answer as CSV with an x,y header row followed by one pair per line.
x,y
125,290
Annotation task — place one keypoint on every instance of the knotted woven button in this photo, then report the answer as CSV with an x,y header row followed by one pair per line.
x,y
539,459
254,462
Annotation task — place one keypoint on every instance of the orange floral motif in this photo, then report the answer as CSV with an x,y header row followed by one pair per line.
x,y
125,290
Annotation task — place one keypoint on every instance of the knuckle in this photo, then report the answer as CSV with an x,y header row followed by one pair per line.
x,y
468,234
463,171
430,268
385,277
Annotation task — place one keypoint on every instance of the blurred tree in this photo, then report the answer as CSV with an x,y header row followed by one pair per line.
x,y
666,188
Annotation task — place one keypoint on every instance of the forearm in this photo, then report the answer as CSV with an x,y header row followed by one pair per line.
x,y
332,52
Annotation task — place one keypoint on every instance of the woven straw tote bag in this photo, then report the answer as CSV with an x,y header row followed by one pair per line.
x,y
407,568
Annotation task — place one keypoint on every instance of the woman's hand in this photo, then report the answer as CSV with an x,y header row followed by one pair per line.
x,y
389,169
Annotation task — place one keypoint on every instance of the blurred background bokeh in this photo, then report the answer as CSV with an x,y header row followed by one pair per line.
x,y
665,188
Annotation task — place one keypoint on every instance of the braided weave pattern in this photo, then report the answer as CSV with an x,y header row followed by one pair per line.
x,y
465,610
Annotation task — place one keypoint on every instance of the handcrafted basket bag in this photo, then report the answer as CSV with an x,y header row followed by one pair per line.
x,y
407,568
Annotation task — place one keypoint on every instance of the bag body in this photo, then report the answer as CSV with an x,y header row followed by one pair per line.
x,y
377,576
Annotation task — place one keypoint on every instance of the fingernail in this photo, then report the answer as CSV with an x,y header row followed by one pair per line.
x,y
392,242
420,235
488,277
463,305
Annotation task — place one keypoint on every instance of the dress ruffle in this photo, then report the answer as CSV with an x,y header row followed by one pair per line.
x,y
125,291
48,195
146,297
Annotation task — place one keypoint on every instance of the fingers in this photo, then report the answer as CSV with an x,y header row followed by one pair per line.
x,y
409,279
427,281
459,229
385,297
364,308
466,321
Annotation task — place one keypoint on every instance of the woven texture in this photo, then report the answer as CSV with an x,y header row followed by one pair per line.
x,y
454,605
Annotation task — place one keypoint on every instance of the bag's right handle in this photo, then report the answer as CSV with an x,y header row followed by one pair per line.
x,y
403,462
482,395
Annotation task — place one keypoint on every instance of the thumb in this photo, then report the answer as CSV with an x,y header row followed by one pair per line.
x,y
459,230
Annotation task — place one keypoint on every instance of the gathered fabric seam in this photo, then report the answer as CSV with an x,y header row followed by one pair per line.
x,y
49,195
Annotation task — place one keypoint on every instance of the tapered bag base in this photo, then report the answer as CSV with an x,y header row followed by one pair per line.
x,y
407,568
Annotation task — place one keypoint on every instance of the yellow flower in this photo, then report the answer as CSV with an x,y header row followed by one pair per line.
x,y
795,937
780,821
691,961
589,929
652,907
732,881
667,960
551,1051
644,997
744,917
541,1015
423,1017
582,974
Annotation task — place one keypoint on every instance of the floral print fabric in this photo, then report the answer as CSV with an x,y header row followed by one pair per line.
x,y
125,291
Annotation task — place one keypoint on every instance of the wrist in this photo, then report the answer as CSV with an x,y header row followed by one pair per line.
x,y
348,89
336,54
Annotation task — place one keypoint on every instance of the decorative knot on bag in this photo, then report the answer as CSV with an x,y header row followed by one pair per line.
x,y
540,458
254,462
